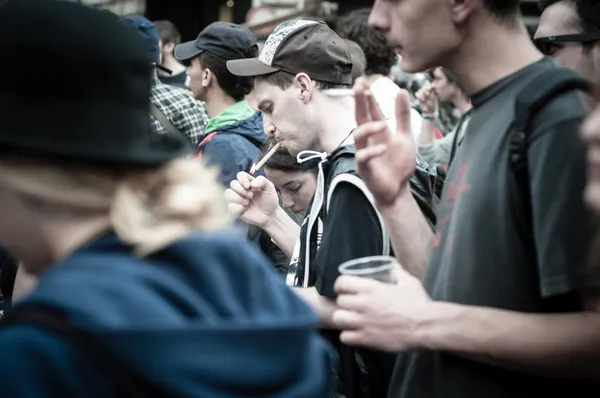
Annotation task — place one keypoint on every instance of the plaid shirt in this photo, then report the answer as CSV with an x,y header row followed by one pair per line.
x,y
178,105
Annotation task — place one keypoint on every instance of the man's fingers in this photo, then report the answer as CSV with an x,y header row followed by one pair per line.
x,y
361,105
366,133
236,209
366,154
403,108
345,320
346,284
232,197
374,109
354,338
244,179
352,302
237,187
261,183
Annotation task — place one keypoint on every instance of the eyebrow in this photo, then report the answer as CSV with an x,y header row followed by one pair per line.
x,y
290,183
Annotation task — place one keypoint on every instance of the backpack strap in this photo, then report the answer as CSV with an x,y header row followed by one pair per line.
x,y
344,171
53,320
536,95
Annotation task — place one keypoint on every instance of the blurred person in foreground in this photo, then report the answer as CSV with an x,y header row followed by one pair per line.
x,y
144,291
569,31
500,301
441,89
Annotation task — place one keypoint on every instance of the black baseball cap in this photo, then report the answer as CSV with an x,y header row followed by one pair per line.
x,y
222,39
300,46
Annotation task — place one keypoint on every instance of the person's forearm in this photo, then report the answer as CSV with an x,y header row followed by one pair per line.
x,y
556,345
410,233
426,136
284,231
323,306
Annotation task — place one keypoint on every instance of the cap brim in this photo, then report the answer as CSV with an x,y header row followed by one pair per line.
x,y
185,51
249,67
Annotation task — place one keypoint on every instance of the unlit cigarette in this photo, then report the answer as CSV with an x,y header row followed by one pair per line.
x,y
342,92
262,162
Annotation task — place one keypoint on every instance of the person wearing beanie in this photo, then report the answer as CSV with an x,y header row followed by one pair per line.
x,y
173,109
144,289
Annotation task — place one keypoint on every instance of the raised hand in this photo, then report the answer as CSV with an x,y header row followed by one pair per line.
x,y
385,161
427,100
254,200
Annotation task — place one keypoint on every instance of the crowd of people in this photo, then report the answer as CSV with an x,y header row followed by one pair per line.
x,y
175,214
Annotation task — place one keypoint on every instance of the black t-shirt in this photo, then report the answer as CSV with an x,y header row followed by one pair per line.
x,y
485,253
350,229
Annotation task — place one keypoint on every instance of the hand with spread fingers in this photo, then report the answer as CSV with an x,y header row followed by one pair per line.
x,y
384,160
379,315
254,200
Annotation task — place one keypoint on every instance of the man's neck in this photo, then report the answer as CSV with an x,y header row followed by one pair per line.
x,y
172,64
216,102
492,53
334,130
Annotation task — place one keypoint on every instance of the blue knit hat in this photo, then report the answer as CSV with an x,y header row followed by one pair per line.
x,y
148,32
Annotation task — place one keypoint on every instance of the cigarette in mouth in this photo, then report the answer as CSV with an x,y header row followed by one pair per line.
x,y
259,165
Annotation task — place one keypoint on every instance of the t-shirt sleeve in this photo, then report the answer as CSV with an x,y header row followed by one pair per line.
x,y
352,230
562,223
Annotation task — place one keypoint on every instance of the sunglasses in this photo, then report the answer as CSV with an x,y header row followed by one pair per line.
x,y
549,44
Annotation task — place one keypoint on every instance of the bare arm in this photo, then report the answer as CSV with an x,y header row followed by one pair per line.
x,y
556,345
323,306
410,233
426,136
284,231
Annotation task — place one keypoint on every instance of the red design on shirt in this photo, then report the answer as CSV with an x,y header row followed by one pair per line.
x,y
454,190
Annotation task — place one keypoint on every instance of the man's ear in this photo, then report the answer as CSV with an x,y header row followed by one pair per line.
x,y
306,86
207,77
169,48
462,9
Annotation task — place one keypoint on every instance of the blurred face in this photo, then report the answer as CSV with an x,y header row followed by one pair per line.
x,y
295,189
561,19
591,133
199,79
423,32
446,91
289,115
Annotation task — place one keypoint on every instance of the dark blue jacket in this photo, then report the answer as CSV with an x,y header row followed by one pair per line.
x,y
206,317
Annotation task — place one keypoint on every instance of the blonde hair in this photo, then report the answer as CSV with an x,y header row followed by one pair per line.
x,y
147,208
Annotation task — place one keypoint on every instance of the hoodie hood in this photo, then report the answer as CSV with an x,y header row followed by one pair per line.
x,y
205,317
240,118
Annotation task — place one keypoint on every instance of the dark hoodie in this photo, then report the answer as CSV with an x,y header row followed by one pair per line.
x,y
236,144
205,317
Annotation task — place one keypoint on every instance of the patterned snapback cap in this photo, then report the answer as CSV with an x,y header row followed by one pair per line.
x,y
300,46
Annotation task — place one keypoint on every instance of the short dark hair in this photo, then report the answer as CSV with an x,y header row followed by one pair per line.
x,y
380,56
284,80
237,87
506,11
281,160
167,32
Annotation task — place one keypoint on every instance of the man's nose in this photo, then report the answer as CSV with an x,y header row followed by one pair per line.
x,y
268,127
379,18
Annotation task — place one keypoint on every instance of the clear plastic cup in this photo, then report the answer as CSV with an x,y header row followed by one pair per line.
x,y
374,267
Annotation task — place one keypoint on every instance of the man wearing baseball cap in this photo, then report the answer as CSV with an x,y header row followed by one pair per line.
x,y
173,110
300,61
234,133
